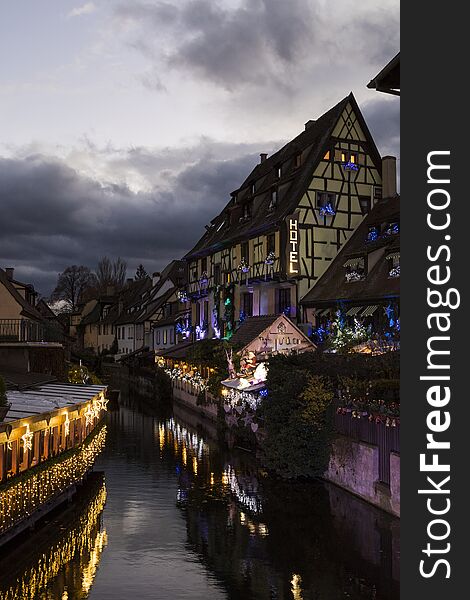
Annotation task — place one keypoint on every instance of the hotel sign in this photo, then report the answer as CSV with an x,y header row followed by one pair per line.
x,y
293,244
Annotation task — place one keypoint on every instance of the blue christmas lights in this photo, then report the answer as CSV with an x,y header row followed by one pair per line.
x,y
327,209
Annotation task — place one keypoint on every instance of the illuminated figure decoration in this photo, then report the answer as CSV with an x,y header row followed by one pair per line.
x,y
27,439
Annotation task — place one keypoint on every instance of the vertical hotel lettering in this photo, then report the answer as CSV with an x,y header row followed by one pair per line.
x,y
293,246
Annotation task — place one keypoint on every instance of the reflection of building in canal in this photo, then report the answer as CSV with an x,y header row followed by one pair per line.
x,y
234,525
193,459
61,559
311,553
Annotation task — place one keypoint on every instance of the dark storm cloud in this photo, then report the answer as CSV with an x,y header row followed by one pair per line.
x,y
382,115
233,46
259,43
57,217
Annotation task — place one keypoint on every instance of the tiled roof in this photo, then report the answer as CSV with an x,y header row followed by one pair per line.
x,y
332,285
251,328
312,144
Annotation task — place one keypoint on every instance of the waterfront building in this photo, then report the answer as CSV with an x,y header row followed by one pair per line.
x,y
47,447
363,281
96,328
284,225
20,321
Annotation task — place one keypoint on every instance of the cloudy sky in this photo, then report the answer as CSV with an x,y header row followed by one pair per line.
x,y
125,124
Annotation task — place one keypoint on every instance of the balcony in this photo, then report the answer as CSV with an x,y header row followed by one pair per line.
x,y
21,330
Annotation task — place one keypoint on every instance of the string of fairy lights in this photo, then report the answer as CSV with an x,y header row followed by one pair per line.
x,y
85,541
21,498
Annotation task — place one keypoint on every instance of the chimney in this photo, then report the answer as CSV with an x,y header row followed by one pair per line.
x,y
309,123
156,278
263,157
9,271
389,177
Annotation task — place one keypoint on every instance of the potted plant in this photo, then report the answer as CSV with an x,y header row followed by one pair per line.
x,y
4,405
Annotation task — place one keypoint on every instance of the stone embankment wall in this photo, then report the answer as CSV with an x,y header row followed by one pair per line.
x,y
354,466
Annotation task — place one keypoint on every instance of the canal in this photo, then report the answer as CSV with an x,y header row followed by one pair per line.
x,y
171,513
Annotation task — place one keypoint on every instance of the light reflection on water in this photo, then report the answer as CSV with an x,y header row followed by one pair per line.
x,y
186,518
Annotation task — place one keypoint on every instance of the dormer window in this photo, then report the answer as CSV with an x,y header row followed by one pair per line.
x,y
326,203
392,228
355,269
297,160
246,211
253,188
393,265
373,234
273,201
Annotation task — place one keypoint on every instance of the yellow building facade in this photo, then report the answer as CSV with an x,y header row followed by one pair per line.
x,y
285,224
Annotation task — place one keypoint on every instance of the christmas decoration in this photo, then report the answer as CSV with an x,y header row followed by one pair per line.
x,y
350,166
327,210
270,258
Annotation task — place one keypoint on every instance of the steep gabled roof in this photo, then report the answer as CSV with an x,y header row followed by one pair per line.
x,y
251,328
332,286
27,309
132,296
312,143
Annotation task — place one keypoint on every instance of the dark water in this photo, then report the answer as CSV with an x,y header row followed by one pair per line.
x,y
186,518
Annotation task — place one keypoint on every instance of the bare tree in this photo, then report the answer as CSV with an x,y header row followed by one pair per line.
x,y
104,273
119,272
72,283
110,273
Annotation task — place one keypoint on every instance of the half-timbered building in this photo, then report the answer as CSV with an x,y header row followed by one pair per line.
x,y
285,224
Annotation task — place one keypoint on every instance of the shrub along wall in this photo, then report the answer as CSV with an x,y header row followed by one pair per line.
x,y
298,412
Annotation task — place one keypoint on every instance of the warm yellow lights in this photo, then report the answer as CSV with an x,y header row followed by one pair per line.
x,y
83,543
21,498
27,439
296,587
67,425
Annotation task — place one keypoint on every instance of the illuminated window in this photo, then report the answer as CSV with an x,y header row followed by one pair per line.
x,y
327,155
348,157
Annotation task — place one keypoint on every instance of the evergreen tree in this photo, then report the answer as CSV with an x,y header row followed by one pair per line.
x,y
141,273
